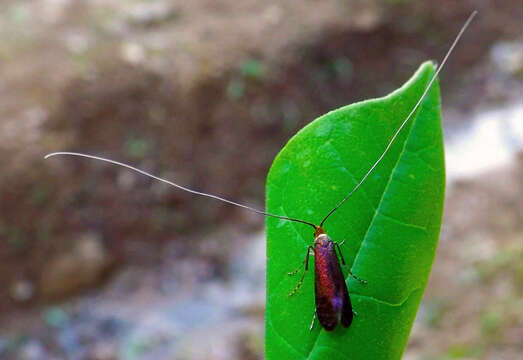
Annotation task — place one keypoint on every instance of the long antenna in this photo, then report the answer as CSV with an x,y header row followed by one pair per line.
x,y
176,185
274,215
463,28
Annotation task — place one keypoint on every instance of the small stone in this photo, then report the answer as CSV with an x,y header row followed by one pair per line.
x,y
508,57
32,350
22,290
150,12
132,53
82,266
103,351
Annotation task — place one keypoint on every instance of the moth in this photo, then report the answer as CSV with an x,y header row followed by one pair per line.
x,y
331,295
332,300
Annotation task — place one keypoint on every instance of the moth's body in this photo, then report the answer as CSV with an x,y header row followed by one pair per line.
x,y
332,297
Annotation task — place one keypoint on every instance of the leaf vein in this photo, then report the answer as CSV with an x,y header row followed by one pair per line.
x,y
380,301
419,227
283,338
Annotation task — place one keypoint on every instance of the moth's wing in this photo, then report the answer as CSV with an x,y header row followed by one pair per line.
x,y
327,315
341,298
328,303
346,310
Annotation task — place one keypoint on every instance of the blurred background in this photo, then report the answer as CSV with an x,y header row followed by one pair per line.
x,y
98,263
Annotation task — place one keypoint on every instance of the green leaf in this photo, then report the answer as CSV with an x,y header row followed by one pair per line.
x,y
391,224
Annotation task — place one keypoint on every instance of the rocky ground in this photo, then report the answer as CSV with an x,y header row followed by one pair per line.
x,y
164,85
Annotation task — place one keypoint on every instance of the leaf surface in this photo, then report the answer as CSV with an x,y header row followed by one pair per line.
x,y
391,224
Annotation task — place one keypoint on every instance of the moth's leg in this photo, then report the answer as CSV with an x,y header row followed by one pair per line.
x,y
292,273
354,312
339,252
355,277
343,262
313,320
343,242
306,262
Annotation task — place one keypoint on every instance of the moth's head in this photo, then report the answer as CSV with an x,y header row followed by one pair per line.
x,y
318,230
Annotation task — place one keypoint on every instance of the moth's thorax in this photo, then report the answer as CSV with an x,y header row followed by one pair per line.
x,y
322,240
